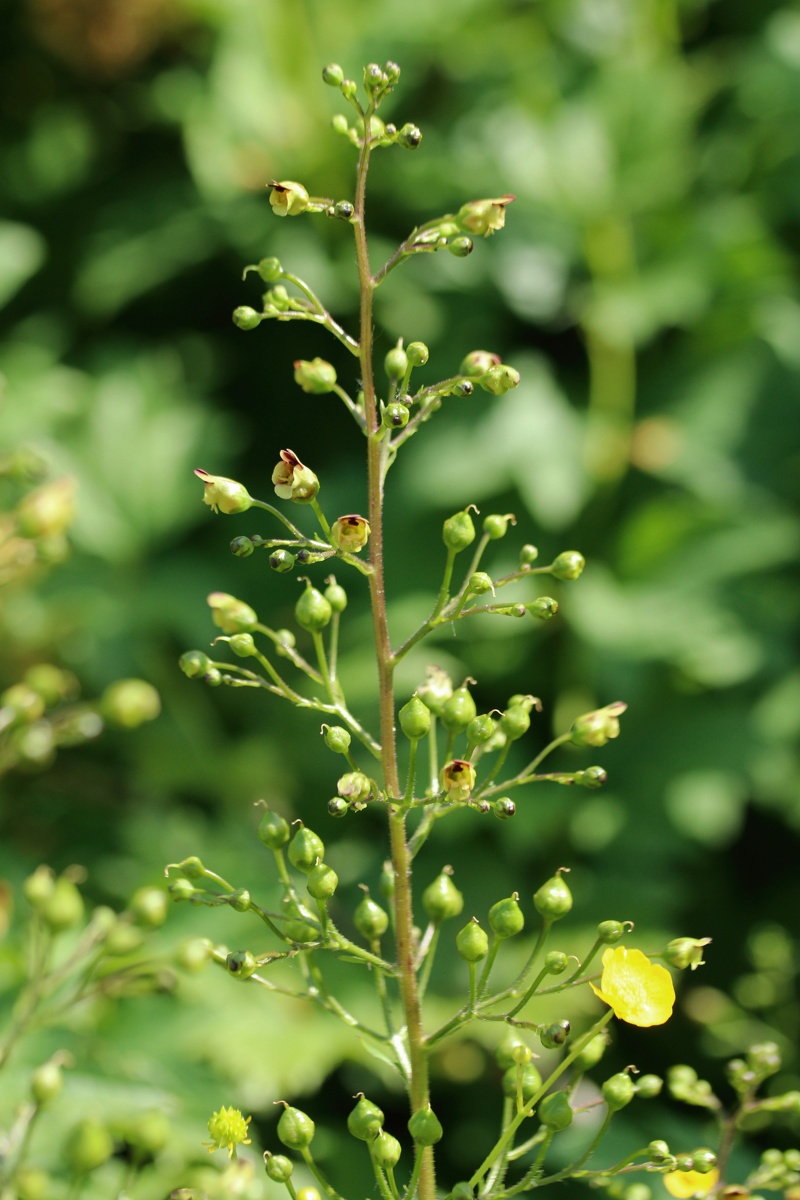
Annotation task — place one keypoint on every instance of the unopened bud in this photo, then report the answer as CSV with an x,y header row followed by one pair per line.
x,y
245,317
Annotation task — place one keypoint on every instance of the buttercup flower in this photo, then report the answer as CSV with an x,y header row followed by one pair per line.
x,y
228,1129
458,779
350,533
293,480
640,992
483,217
684,1184
224,495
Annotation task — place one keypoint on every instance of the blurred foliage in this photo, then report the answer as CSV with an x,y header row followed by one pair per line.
x,y
645,287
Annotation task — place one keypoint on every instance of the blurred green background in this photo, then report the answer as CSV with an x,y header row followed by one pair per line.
x,y
646,288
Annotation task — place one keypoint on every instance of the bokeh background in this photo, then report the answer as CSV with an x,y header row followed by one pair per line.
x,y
646,289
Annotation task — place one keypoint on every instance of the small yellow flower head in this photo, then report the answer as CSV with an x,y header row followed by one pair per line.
x,y
350,533
640,992
224,495
483,217
458,779
288,199
293,480
684,1184
228,1129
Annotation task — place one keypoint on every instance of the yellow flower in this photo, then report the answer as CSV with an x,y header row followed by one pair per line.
x,y
640,992
228,1129
684,1184
224,495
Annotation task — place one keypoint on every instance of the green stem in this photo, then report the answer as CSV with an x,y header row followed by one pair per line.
x,y
308,1159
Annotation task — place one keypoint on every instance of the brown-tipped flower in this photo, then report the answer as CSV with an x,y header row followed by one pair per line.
x,y
458,779
288,199
293,480
598,727
350,533
483,217
224,495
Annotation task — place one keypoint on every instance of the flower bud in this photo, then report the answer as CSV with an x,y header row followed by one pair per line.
x,y
149,906
181,889
26,705
425,1127
337,807
472,942
270,269
592,777
365,1121
499,379
479,583
312,611
295,1129
528,555
460,247
553,900
336,738
417,353
64,906
48,510
658,1150
297,924
458,779
333,75
224,495
437,689
409,137
194,954
764,1059
316,377
554,1035
704,1160
47,1082
241,964
278,1167
477,363
336,596
273,830
128,703
609,932
568,565
88,1146
322,882
242,645
294,481
242,547
288,199
415,719
348,88
463,388
596,728
442,899
305,849
525,1079
506,917
504,808
282,560
350,534
649,1086
483,217
396,363
231,615
685,952
370,919
555,1111
240,900
459,531
458,710
386,1150
194,663
245,317
515,722
395,415
355,786
618,1091
556,962
480,730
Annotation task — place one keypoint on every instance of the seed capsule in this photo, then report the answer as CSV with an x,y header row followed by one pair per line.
x,y
306,849
365,1120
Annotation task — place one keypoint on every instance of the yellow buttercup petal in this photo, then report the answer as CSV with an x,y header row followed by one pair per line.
x,y
639,992
684,1184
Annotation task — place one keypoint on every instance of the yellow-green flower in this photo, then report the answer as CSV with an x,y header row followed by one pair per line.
x,y
350,533
224,495
458,779
228,1129
640,992
684,1184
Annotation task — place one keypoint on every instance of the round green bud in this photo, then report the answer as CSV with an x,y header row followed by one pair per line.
x,y
386,1150
336,738
194,663
343,210
472,942
592,777
192,867
499,379
297,926
312,611
365,1121
525,1077
425,1127
568,565
506,1051
460,247
395,415
32,1183
553,900
242,547
270,269
409,137
479,583
683,1162
495,526
278,1167
504,808
64,907
242,645
658,1150
123,939
374,78
542,608
336,597
194,954
355,786
348,88
337,807
555,1111
39,887
241,964
322,882
273,830
458,710
149,906
370,919
705,1160
333,75
306,849
316,377
47,1082
181,889
480,729
128,703
442,899
609,932
240,900
506,917
521,1054
477,363
148,1133
339,123
295,1129
245,317
515,722
282,560
458,531
396,363
553,1036
649,1086
417,353
463,388
415,719
618,1091
528,555
88,1146
764,1059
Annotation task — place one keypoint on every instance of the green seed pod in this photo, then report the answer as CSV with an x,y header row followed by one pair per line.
x,y
396,363
64,907
336,738
336,596
409,137
555,1111
242,645
553,899
543,608
568,565
316,377
240,900
194,663
609,932
270,269
417,353
649,1086
322,882
495,526
39,887
504,808
515,722
241,964
425,1127
306,849
528,555
506,1050
181,889
295,1129
242,547
618,1091
297,926
192,867
592,777
415,719
370,919
553,1036
333,75
343,210
658,1150
273,830
458,711
245,317
506,917
386,1150
442,899
47,1082
365,1121
88,1146
337,807
480,729
529,1078
312,611
705,1160
395,415
278,1167
51,684
282,560
472,942
460,247
458,531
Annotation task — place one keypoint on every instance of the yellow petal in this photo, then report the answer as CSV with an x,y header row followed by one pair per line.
x,y
684,1184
